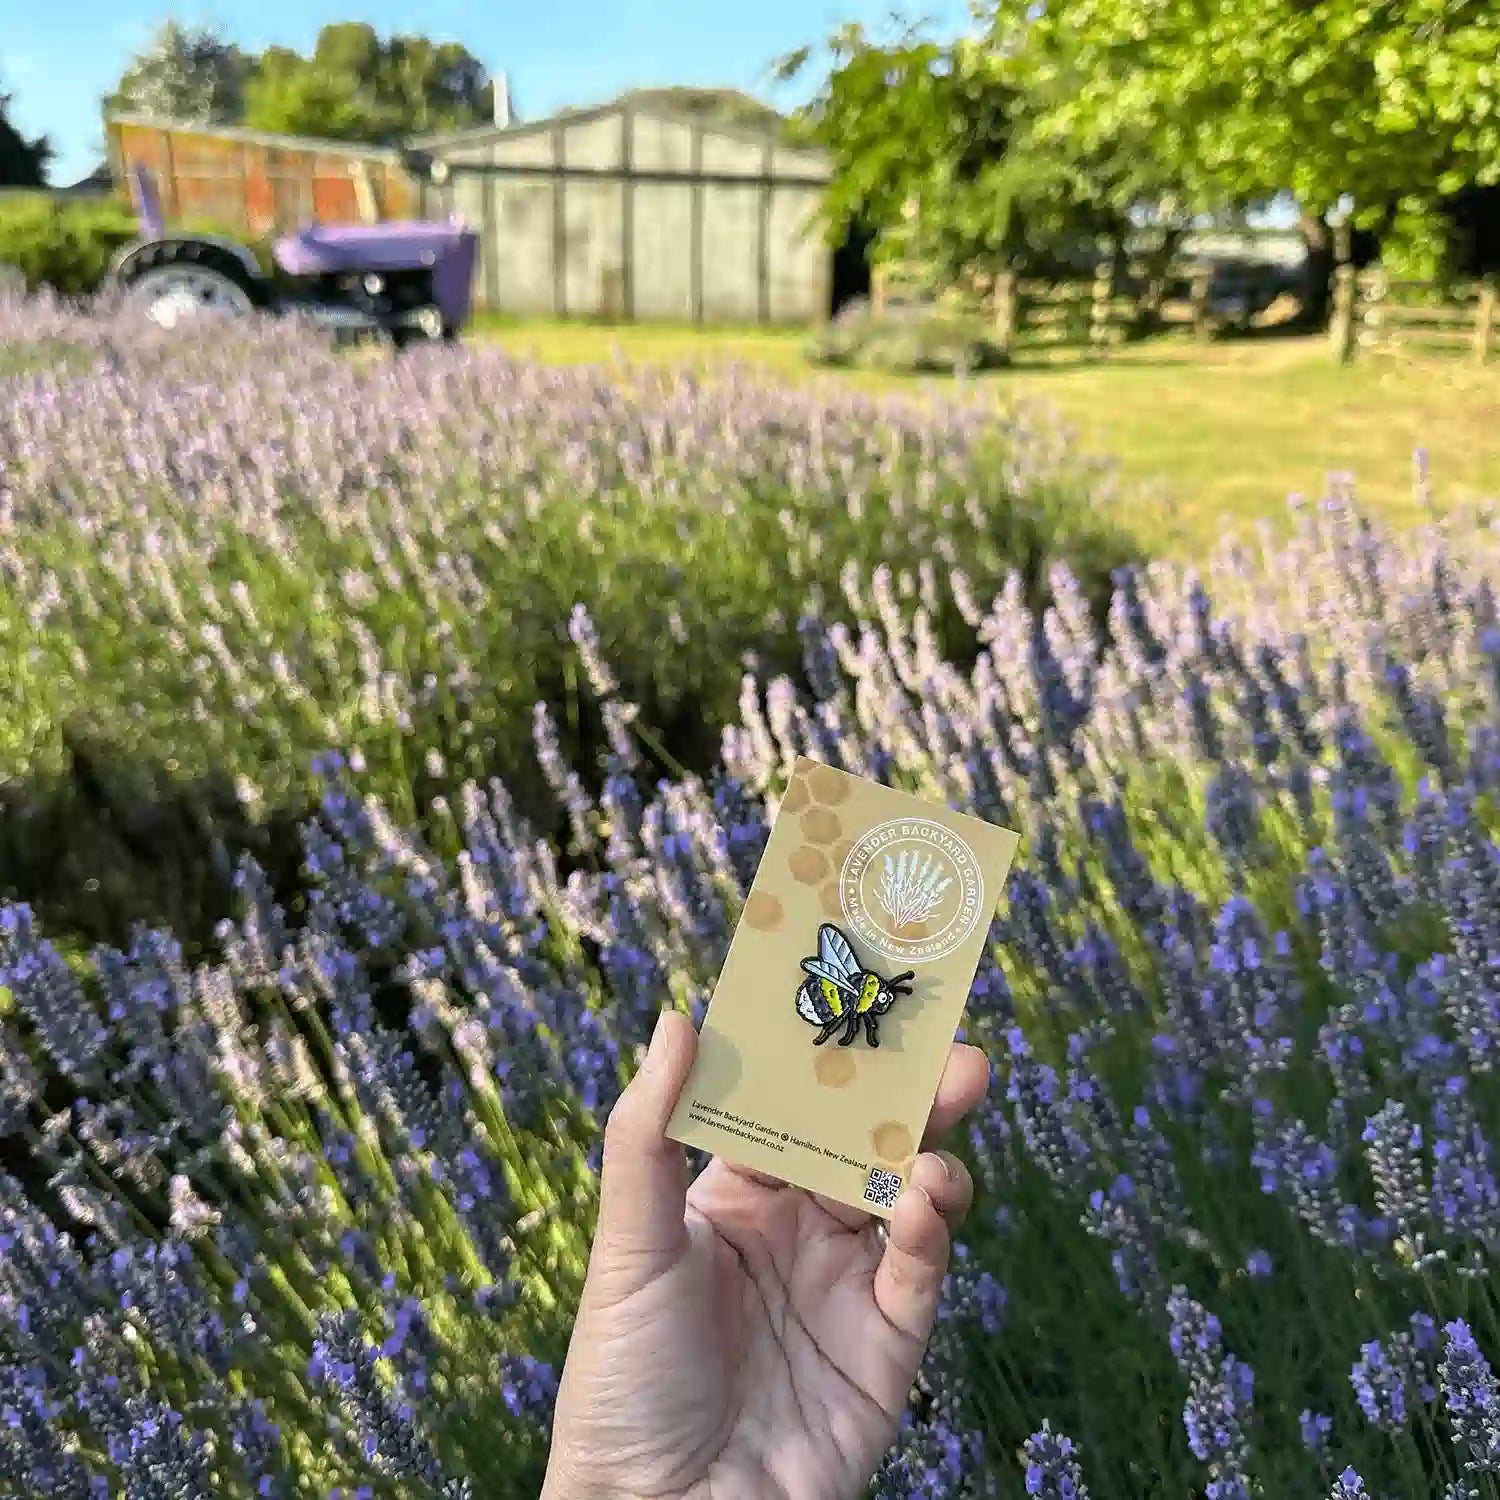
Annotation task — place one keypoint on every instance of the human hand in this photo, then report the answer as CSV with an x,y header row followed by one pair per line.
x,y
743,1338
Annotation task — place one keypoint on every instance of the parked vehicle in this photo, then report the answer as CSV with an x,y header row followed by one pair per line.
x,y
409,280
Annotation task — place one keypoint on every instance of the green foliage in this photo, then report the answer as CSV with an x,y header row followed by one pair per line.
x,y
23,163
356,86
914,343
934,150
184,74
66,246
1390,103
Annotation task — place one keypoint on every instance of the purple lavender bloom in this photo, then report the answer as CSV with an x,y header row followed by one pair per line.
x,y
1471,1397
344,1360
1220,1393
932,1459
529,1389
1379,1387
49,995
1052,1468
1316,1429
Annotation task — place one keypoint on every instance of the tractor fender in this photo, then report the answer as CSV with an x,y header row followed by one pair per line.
x,y
207,249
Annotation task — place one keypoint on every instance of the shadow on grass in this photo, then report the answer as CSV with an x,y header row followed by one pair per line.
x,y
114,840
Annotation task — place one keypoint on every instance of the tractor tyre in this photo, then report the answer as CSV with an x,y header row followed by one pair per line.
x,y
180,279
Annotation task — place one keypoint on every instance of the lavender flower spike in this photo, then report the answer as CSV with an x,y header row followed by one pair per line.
x,y
1052,1470
1472,1397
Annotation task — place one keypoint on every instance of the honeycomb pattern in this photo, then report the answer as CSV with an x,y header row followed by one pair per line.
x,y
764,912
892,1141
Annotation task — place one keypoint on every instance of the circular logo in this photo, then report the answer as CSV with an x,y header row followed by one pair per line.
x,y
911,889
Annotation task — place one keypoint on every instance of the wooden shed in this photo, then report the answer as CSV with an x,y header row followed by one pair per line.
x,y
253,182
636,211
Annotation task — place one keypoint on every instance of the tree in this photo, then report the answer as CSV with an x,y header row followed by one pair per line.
x,y
184,74
1380,108
356,86
290,94
934,153
23,163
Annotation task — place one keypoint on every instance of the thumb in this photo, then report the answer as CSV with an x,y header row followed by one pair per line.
x,y
643,1184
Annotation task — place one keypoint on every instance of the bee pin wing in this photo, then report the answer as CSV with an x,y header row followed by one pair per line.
x,y
834,950
820,970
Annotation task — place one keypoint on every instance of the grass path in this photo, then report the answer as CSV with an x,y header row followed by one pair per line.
x,y
1210,438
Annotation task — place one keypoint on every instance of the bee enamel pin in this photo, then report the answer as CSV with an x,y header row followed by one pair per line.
x,y
839,991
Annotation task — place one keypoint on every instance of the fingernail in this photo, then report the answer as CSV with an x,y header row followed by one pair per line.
x,y
950,1165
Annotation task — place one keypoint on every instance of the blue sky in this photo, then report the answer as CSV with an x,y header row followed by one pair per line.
x,y
58,58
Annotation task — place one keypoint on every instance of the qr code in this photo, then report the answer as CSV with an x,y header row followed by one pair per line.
x,y
882,1188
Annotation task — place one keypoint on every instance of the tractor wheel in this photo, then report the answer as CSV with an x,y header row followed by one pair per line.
x,y
176,284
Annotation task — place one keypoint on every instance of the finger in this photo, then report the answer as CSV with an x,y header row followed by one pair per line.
x,y
643,1184
966,1078
946,1181
909,1278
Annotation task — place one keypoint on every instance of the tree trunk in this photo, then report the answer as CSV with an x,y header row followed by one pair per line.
x,y
1318,236
1158,263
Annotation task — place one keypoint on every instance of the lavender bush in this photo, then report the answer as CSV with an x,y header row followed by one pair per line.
x,y
307,1215
219,555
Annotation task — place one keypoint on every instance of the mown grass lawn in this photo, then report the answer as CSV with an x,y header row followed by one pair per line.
x,y
1210,438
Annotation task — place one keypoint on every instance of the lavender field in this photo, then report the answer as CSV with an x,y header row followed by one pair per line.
x,y
301,1207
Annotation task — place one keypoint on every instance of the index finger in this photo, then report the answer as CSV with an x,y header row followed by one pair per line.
x,y
965,1080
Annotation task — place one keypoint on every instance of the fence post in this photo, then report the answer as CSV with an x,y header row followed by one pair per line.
x,y
1345,302
1099,309
1199,290
1486,321
877,289
1003,304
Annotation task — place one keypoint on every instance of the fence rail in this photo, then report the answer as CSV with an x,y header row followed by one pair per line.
x,y
1096,313
1376,313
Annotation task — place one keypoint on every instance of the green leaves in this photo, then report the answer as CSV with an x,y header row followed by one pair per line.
x,y
355,85
1390,103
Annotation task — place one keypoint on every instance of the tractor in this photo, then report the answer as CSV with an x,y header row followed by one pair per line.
x,y
406,281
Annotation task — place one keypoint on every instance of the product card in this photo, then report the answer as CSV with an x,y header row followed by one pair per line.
x,y
846,979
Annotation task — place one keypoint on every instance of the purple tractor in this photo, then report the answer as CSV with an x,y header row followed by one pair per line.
x,y
410,281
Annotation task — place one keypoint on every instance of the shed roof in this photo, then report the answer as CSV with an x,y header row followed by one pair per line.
x,y
657,103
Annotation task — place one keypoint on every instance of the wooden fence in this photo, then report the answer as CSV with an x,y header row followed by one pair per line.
x,y
1096,313
1377,313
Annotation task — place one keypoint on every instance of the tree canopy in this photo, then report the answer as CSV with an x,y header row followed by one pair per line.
x,y
23,163
184,74
934,150
1050,123
1241,101
355,85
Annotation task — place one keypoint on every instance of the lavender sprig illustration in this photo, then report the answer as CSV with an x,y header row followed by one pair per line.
x,y
913,886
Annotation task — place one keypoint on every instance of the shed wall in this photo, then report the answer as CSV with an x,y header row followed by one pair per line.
x,y
627,215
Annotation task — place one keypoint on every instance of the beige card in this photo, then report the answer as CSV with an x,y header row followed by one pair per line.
x,y
846,978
